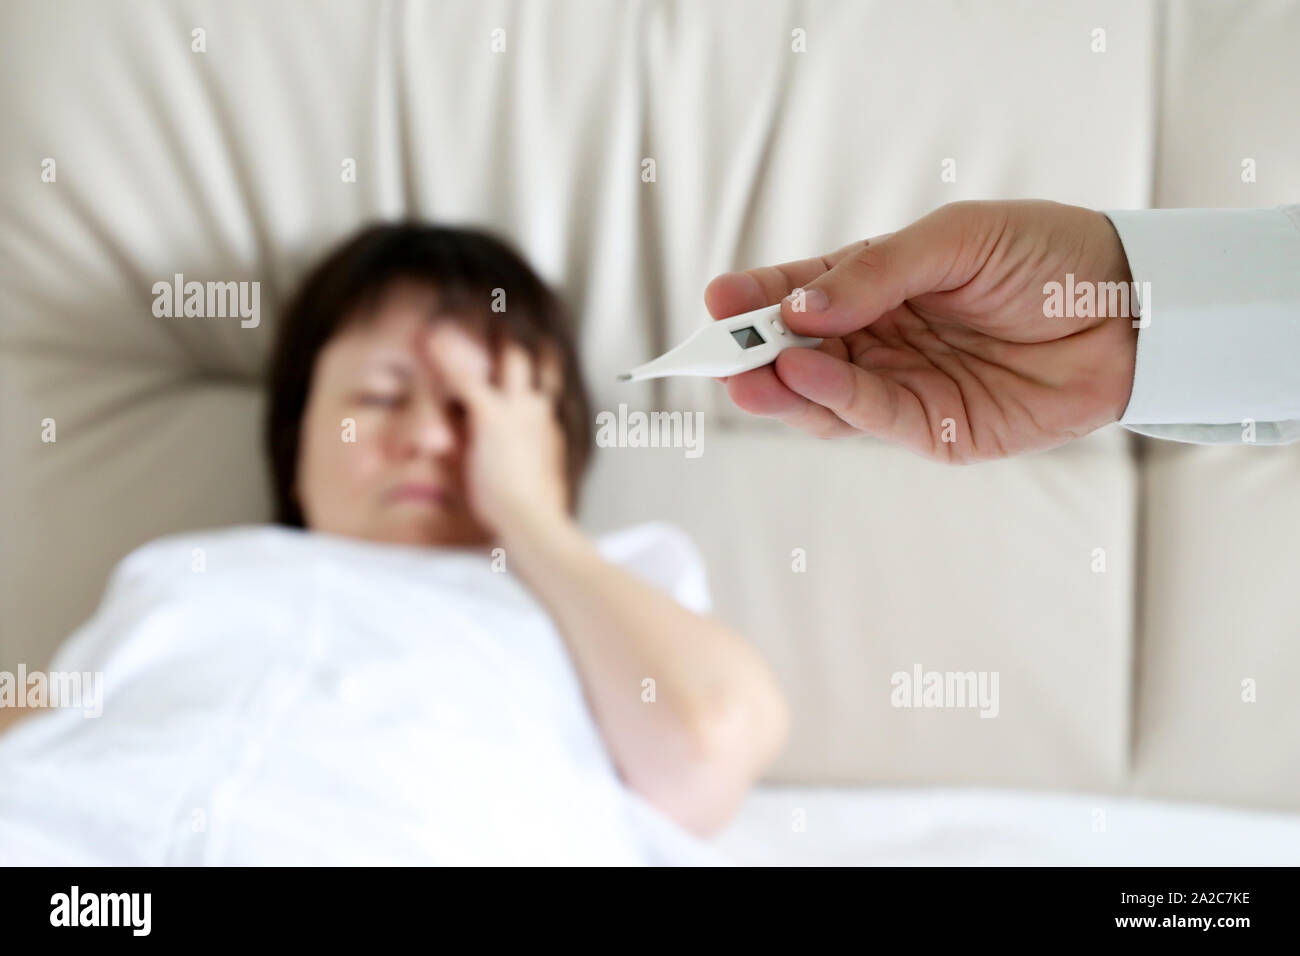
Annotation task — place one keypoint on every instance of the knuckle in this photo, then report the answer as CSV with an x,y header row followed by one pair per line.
x,y
871,259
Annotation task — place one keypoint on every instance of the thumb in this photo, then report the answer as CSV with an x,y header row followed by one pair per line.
x,y
878,276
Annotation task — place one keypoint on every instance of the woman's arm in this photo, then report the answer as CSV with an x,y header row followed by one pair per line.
x,y
717,718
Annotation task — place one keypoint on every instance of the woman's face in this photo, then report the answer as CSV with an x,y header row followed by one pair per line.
x,y
382,447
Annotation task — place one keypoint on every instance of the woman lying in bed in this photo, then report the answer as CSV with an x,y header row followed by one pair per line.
x,y
431,662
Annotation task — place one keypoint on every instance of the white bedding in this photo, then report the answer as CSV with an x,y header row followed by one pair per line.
x,y
959,827
308,699
312,699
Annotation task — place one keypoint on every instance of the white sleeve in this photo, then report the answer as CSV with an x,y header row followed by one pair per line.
x,y
1218,349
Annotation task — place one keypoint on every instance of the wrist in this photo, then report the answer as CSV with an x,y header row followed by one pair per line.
x,y
531,533
1125,366
1122,360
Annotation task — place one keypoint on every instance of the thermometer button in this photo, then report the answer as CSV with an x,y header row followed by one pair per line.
x,y
778,327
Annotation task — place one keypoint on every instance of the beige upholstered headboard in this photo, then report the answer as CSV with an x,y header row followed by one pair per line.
x,y
215,140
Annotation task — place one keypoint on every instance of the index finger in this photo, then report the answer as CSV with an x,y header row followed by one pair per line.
x,y
734,292
461,359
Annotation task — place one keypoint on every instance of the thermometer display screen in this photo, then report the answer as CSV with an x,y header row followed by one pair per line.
x,y
748,337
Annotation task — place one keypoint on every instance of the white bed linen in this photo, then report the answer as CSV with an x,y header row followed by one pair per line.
x,y
958,827
275,696
310,699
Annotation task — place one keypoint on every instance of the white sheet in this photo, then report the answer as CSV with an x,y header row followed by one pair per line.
x,y
958,827
311,699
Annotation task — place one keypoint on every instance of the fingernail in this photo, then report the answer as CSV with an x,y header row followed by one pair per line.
x,y
755,288
808,300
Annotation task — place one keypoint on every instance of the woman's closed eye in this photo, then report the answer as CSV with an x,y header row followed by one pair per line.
x,y
381,399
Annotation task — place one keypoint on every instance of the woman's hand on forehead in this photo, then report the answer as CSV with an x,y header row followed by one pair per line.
x,y
515,460
467,363
457,355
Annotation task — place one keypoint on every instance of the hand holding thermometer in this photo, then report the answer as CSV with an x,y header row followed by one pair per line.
x,y
728,346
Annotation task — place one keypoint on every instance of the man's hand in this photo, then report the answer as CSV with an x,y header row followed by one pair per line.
x,y
937,337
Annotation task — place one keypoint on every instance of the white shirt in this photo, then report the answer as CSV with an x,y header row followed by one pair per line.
x,y
1218,350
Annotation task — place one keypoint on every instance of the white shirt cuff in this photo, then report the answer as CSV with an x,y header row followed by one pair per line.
x,y
1218,353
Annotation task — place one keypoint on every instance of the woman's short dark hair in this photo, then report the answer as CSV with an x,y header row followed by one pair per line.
x,y
465,268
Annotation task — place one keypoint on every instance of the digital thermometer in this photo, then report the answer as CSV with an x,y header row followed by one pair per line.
x,y
726,347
